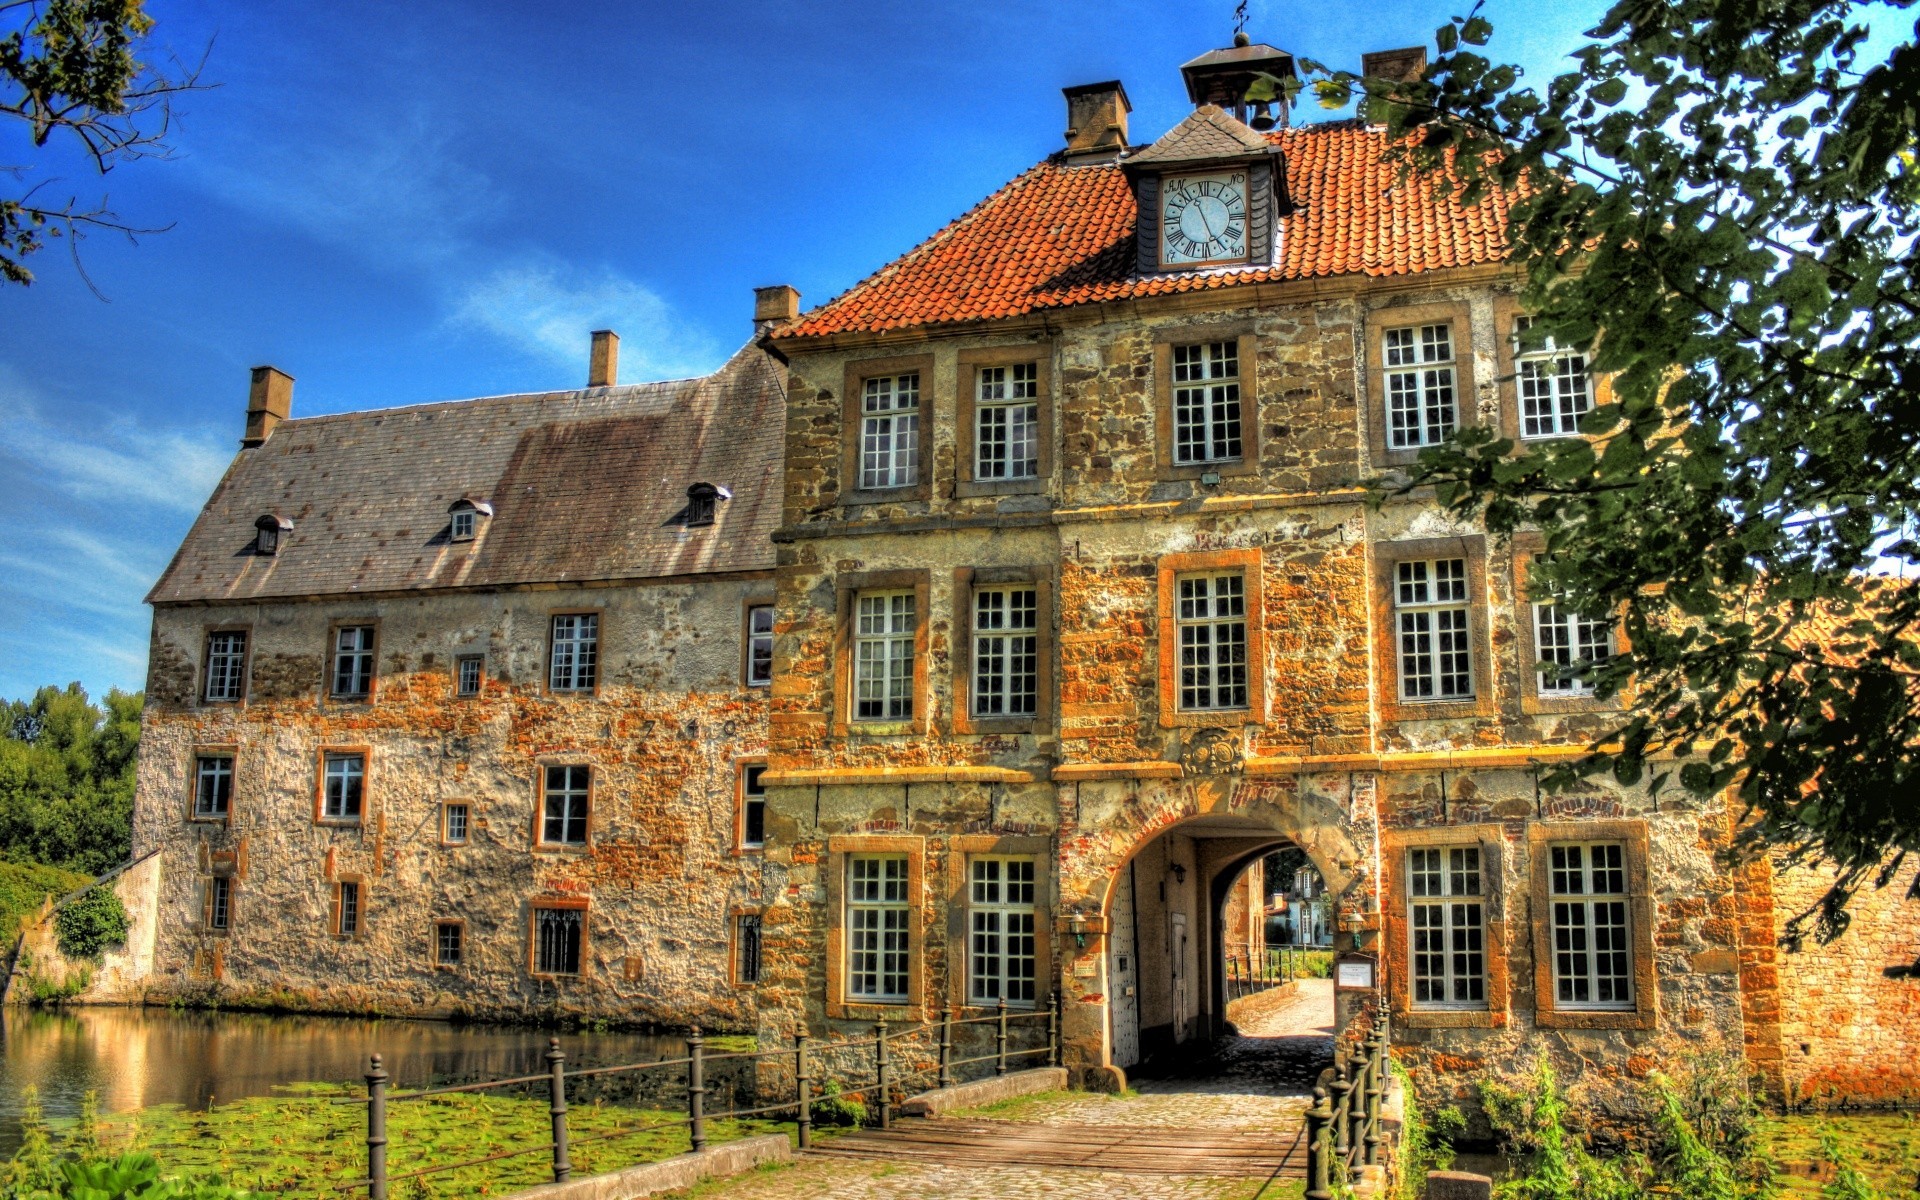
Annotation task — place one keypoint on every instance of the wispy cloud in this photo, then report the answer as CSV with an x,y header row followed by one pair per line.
x,y
116,462
543,308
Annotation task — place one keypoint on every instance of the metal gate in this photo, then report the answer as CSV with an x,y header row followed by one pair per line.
x,y
1123,976
1177,948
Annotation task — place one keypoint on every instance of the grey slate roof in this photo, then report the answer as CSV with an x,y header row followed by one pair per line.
x,y
586,485
1209,133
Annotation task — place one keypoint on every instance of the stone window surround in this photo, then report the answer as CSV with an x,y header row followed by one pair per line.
x,y
1505,308
320,786
1633,834
1491,841
206,902
966,437
361,898
740,765
469,806
599,654
840,849
433,944
853,388
847,589
1527,547
1387,556
585,907
1466,404
481,658
246,663
1164,340
327,694
734,913
226,750
961,850
748,603
1170,568
537,832
965,580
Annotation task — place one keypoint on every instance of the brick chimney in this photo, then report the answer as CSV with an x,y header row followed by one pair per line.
x,y
1096,121
773,306
269,402
603,364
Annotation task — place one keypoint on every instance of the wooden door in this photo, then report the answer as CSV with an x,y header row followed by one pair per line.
x,y
1123,976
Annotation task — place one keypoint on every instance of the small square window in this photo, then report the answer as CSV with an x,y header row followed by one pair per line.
x,y
753,807
463,524
468,671
449,943
454,827
212,787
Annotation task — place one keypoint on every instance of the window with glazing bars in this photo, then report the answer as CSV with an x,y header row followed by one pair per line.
x,y
883,656
449,943
753,806
575,652
212,786
1555,391
1420,385
1006,414
1006,652
226,665
877,927
1206,402
760,644
352,661
456,827
1000,914
1565,639
563,806
556,940
468,669
746,948
1436,656
343,783
1212,622
1446,922
1587,896
346,908
890,431
219,902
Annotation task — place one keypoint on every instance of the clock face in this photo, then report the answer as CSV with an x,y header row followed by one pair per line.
x,y
1203,218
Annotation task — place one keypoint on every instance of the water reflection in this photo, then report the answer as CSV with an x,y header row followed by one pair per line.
x,y
136,1058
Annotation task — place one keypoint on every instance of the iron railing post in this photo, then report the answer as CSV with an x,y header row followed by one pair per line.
x,y
881,1084
1342,1114
803,1089
697,1090
1318,1117
376,1131
1376,1088
557,1064
1053,1029
946,1045
1000,1037
1357,1108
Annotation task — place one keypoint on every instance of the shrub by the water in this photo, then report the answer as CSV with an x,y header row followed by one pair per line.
x,y
90,923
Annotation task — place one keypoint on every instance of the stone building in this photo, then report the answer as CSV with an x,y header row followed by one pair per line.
x,y
964,640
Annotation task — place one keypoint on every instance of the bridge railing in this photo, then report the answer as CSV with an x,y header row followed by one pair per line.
x,y
1343,1126
877,1077
1272,967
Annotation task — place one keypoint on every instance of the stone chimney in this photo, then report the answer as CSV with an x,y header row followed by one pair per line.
x,y
773,306
269,402
1395,66
603,364
1096,121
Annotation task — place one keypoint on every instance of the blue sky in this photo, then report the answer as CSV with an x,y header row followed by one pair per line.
x,y
401,203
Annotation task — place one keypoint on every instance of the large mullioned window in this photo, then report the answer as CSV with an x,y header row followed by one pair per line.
x,y
1555,391
1212,623
1447,924
1587,899
1007,422
1420,385
226,675
890,431
1006,656
573,656
352,662
563,805
1001,931
343,785
883,637
1430,607
1206,402
1566,639
878,916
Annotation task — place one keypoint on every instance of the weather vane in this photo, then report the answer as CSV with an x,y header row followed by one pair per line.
x,y
1240,17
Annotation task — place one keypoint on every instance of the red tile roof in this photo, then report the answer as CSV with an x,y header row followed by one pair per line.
x,y
1060,235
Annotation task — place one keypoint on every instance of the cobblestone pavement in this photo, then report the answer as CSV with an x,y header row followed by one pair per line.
x,y
853,1180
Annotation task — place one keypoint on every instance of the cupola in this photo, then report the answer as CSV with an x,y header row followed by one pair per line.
x,y
1247,79
269,531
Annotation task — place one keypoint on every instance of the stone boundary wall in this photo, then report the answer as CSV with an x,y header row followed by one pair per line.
x,y
120,975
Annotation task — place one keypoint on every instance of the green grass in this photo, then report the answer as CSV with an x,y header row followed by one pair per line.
x,y
1885,1148
1014,1107
24,885
303,1143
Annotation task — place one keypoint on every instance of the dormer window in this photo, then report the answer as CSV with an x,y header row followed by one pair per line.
x,y
702,499
268,531
464,517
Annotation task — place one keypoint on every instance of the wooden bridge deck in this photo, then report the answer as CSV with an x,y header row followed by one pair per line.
x,y
1145,1150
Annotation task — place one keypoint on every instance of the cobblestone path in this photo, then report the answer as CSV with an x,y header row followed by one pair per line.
x,y
1258,1082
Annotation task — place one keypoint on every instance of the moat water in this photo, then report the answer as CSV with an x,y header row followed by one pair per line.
x,y
139,1058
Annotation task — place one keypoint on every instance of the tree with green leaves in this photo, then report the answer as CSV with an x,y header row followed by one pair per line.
x,y
71,71
66,778
1718,204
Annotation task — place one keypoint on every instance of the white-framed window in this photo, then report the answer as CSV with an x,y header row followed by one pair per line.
x,y
1566,639
1420,385
878,920
1436,640
352,661
1211,616
346,908
1006,651
468,671
343,785
449,943
1206,402
1006,416
226,677
1587,897
890,431
574,654
212,786
564,802
1555,390
463,525
753,806
219,902
454,828
557,935
760,645
1001,942
883,637
1446,921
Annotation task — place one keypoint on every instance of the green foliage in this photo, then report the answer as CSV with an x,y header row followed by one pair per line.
x,y
835,1108
1553,1164
1847,1183
1426,1139
81,1169
90,922
1720,204
25,886
66,778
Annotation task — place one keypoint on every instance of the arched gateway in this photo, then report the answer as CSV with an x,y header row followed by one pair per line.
x,y
1141,884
